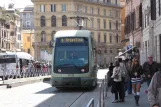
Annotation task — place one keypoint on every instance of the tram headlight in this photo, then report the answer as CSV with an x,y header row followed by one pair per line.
x,y
82,70
59,70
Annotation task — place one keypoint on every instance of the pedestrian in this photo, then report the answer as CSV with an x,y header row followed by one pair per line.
x,y
136,73
149,68
125,76
117,83
111,67
154,90
129,84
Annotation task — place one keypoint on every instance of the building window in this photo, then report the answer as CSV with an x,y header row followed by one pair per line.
x,y
92,22
110,50
64,20
105,38
109,13
91,10
116,25
105,51
159,7
28,24
85,23
28,39
104,12
42,8
85,9
52,34
110,25
19,37
110,38
117,14
98,10
53,21
117,50
53,7
148,20
42,21
98,23
116,2
43,36
99,38
117,38
64,7
145,20
27,15
28,50
104,23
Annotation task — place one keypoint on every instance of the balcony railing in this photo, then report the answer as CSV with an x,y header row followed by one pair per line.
x,y
40,43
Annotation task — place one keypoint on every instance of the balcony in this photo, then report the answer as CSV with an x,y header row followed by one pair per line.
x,y
40,44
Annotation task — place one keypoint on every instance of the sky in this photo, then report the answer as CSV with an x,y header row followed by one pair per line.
x,y
18,3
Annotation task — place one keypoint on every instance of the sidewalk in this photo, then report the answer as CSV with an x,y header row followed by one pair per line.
x,y
22,81
129,100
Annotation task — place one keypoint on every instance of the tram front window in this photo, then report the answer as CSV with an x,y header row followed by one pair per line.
x,y
71,57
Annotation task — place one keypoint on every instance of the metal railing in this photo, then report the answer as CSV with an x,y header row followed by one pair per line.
x,y
103,89
6,74
91,103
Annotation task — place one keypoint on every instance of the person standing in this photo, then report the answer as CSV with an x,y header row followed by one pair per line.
x,y
117,83
129,84
154,90
149,69
136,73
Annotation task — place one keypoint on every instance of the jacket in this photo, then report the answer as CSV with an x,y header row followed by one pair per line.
x,y
119,72
136,69
154,90
150,69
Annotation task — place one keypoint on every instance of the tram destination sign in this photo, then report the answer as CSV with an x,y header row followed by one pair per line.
x,y
72,40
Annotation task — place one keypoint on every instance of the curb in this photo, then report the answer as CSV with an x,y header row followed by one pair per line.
x,y
29,81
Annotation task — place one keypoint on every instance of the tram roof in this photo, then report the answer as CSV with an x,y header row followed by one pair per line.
x,y
72,33
22,55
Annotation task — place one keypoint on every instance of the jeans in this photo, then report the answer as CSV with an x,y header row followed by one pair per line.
x,y
119,91
129,87
148,82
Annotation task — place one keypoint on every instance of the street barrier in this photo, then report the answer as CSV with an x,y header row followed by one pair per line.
x,y
103,89
6,74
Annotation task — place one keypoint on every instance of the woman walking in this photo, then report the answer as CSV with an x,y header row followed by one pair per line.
x,y
136,73
117,83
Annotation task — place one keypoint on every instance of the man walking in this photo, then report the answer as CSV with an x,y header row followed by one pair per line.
x,y
149,69
154,90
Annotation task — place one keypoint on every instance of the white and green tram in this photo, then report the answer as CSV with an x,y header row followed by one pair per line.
x,y
74,61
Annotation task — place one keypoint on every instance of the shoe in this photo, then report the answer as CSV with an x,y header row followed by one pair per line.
x,y
137,100
121,100
115,101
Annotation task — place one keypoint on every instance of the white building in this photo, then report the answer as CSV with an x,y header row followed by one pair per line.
x,y
151,42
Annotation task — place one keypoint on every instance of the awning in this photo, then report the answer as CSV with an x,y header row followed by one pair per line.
x,y
120,55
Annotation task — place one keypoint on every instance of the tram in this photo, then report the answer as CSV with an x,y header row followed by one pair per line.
x,y
74,62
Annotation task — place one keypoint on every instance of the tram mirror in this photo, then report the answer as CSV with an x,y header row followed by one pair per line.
x,y
51,44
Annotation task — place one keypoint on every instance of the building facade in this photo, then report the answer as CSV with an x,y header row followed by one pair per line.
x,y
133,23
10,39
151,29
27,40
105,23
27,18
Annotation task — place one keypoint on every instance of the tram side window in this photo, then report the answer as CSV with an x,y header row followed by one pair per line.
x,y
8,60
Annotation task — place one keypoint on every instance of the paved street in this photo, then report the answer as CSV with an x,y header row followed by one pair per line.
x,y
43,95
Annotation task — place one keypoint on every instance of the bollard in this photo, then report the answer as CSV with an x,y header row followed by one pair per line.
x,y
100,95
103,100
